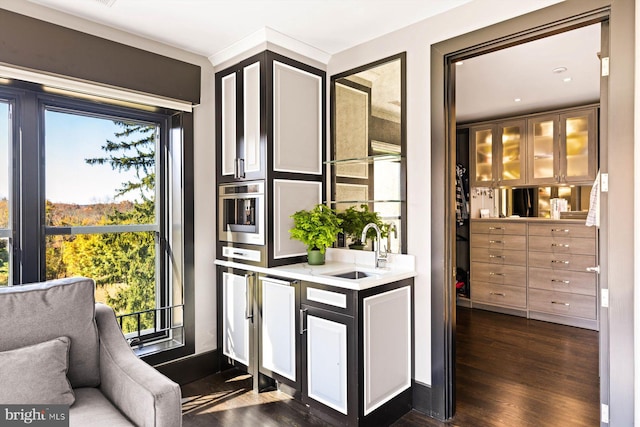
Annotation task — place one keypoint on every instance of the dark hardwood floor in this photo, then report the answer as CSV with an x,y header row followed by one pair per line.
x,y
510,372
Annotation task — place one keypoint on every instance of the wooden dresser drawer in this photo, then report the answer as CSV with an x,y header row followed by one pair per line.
x,y
576,282
562,303
563,245
498,227
559,229
505,241
498,256
512,296
513,275
561,261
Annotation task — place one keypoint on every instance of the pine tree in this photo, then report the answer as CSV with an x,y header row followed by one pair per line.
x,y
127,260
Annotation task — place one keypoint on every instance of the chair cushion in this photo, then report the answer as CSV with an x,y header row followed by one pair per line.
x,y
44,311
92,408
36,374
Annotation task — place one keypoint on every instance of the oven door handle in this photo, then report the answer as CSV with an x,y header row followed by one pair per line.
x,y
238,171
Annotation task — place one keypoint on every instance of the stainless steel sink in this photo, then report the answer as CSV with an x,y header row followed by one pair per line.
x,y
352,275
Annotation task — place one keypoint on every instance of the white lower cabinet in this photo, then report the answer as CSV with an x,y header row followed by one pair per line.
x,y
356,352
327,362
237,316
278,327
344,353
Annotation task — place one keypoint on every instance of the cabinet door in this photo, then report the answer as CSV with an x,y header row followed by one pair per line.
x,y
326,359
482,156
251,107
297,120
290,196
237,313
278,331
543,160
511,153
229,120
578,146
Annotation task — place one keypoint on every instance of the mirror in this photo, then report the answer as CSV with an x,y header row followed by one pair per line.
x,y
505,202
368,125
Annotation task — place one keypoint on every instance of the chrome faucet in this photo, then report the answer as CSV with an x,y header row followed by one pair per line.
x,y
381,257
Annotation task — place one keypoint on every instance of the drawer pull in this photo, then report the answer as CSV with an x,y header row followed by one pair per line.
x,y
566,304
499,256
559,245
566,282
556,261
560,230
500,294
491,273
499,242
496,228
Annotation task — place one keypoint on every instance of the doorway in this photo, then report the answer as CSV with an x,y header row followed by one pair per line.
x,y
555,19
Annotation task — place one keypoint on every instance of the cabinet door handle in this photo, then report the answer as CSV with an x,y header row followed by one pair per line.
x,y
248,310
566,282
499,242
566,304
559,245
238,171
496,228
491,273
556,261
500,294
302,316
496,256
559,230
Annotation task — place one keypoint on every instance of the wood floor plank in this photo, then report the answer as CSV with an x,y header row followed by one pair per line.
x,y
511,371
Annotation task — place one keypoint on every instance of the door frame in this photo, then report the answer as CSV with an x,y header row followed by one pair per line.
x,y
616,352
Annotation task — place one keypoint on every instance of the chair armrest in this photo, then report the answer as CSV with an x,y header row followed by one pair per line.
x,y
139,391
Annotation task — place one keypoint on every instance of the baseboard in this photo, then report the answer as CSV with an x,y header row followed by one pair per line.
x,y
428,400
422,396
191,368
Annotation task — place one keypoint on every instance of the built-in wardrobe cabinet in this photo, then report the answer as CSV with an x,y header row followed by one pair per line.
x,y
562,147
538,268
498,153
558,147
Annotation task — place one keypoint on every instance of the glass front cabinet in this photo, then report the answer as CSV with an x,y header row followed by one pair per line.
x,y
559,147
562,147
497,154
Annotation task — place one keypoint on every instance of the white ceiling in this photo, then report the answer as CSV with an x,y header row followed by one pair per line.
x,y
208,27
487,85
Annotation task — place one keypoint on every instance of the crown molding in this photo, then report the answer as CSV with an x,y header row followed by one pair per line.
x,y
264,38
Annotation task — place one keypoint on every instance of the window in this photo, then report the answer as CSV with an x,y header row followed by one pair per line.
x,y
5,199
100,194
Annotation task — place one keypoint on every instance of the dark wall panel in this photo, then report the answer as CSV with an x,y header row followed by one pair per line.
x,y
38,45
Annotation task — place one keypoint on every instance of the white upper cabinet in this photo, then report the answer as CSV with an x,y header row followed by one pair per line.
x,y
270,118
297,120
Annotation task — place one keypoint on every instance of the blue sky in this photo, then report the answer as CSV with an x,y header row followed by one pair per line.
x,y
69,140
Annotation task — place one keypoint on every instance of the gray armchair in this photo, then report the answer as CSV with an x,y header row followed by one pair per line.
x,y
58,347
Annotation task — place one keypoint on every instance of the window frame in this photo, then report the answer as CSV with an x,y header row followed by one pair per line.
x,y
28,242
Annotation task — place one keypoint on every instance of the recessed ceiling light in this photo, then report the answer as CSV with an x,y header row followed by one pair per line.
x,y
566,79
459,62
559,70
517,99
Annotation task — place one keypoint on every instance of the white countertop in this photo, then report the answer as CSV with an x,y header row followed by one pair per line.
x,y
399,266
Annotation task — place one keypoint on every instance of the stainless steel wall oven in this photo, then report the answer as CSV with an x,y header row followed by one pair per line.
x,y
241,212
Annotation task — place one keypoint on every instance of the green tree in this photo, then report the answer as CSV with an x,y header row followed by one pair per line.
x,y
4,249
126,261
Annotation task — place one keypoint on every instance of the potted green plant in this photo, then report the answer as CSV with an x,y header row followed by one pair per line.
x,y
354,221
317,228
